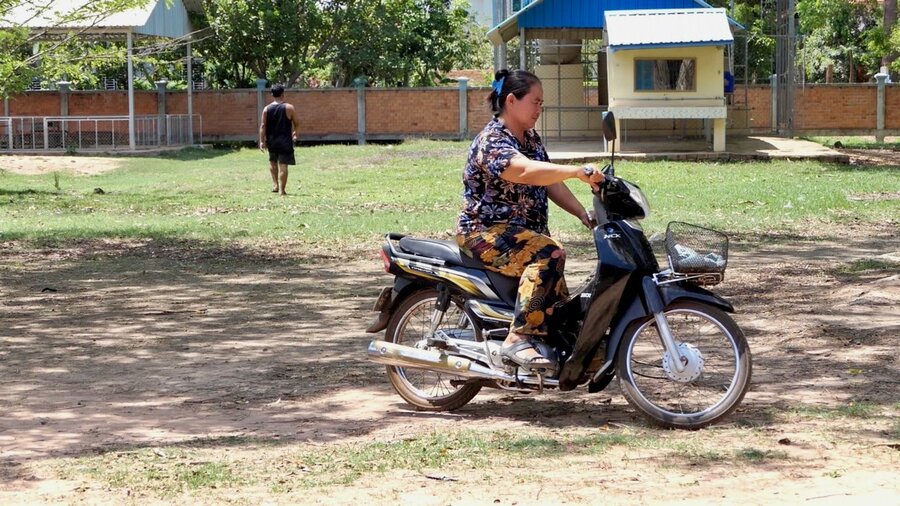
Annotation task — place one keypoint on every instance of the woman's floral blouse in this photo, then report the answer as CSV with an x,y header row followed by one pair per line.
x,y
490,200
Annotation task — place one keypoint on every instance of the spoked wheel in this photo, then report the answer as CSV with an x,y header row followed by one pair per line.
x,y
409,325
715,376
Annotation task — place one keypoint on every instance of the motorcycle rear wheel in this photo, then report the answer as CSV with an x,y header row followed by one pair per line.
x,y
428,390
712,385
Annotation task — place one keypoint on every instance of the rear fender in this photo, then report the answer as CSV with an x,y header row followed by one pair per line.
x,y
401,290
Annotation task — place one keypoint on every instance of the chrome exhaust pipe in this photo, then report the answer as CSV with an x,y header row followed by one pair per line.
x,y
386,353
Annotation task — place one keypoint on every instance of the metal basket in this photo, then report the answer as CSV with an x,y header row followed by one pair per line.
x,y
700,253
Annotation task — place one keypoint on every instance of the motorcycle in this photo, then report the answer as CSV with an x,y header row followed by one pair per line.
x,y
680,359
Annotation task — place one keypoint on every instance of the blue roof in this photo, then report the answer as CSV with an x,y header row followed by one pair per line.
x,y
577,14
587,14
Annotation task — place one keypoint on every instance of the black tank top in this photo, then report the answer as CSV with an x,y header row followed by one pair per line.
x,y
278,128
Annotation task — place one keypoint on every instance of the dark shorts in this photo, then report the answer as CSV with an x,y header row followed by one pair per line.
x,y
282,157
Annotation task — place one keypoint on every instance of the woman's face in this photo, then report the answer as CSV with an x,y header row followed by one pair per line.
x,y
524,112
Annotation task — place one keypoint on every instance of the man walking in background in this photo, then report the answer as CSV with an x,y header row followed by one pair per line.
x,y
277,133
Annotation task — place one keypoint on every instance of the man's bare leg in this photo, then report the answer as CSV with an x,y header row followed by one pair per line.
x,y
273,169
282,177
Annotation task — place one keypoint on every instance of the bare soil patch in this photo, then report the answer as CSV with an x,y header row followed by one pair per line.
x,y
122,346
42,164
876,157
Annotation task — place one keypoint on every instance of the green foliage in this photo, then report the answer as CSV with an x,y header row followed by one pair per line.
x,y
847,36
305,42
405,42
894,44
279,41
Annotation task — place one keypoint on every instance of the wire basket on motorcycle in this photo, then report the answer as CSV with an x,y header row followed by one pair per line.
x,y
697,251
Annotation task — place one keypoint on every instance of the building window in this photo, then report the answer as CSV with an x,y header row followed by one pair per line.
x,y
665,75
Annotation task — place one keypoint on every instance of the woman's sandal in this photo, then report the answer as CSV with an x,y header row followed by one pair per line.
x,y
511,353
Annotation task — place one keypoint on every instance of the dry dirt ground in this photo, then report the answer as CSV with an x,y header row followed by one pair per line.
x,y
110,347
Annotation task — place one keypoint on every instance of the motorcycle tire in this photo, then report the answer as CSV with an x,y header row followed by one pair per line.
x,y
715,378
423,389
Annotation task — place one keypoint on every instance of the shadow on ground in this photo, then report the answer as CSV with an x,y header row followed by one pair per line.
x,y
110,346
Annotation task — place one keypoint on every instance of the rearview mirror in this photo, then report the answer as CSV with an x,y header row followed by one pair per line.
x,y
609,126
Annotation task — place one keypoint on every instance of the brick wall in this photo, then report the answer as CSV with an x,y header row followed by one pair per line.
x,y
478,109
841,106
226,114
110,103
38,103
892,107
426,111
331,114
324,113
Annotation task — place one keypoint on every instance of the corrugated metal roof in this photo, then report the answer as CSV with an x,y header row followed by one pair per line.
x,y
155,18
667,27
589,13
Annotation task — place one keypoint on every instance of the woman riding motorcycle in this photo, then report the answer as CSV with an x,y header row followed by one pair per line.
x,y
507,181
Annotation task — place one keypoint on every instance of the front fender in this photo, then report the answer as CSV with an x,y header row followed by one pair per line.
x,y
678,291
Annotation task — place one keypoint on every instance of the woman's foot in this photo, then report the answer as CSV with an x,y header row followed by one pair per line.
x,y
522,352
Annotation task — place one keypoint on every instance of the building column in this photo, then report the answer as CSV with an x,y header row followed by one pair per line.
x,y
718,134
132,143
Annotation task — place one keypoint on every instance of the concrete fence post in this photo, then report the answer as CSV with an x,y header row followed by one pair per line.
x,y
880,79
463,108
773,79
260,101
64,90
361,114
161,123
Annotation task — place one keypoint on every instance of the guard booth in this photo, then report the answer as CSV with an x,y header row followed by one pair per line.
x,y
567,44
669,64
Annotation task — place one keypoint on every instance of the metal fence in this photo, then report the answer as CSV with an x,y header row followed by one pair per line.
x,y
97,133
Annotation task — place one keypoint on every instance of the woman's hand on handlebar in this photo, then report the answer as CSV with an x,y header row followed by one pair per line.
x,y
591,175
589,219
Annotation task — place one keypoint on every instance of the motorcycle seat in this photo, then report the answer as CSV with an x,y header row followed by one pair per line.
x,y
447,251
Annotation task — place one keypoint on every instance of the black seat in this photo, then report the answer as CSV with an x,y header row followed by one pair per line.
x,y
448,251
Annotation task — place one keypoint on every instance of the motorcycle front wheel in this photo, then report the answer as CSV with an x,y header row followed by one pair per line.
x,y
409,325
715,376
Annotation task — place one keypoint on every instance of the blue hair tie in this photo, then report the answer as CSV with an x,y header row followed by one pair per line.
x,y
498,85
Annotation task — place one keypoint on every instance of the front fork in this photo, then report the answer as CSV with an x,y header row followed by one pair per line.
x,y
657,308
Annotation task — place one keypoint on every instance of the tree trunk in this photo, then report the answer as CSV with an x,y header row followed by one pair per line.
x,y
890,19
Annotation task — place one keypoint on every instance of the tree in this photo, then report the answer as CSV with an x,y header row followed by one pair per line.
x,y
846,36
403,42
890,20
277,40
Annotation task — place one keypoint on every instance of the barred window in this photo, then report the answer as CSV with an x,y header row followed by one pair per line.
x,y
665,75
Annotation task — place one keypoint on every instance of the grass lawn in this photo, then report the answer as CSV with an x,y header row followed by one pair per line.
x,y
346,197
